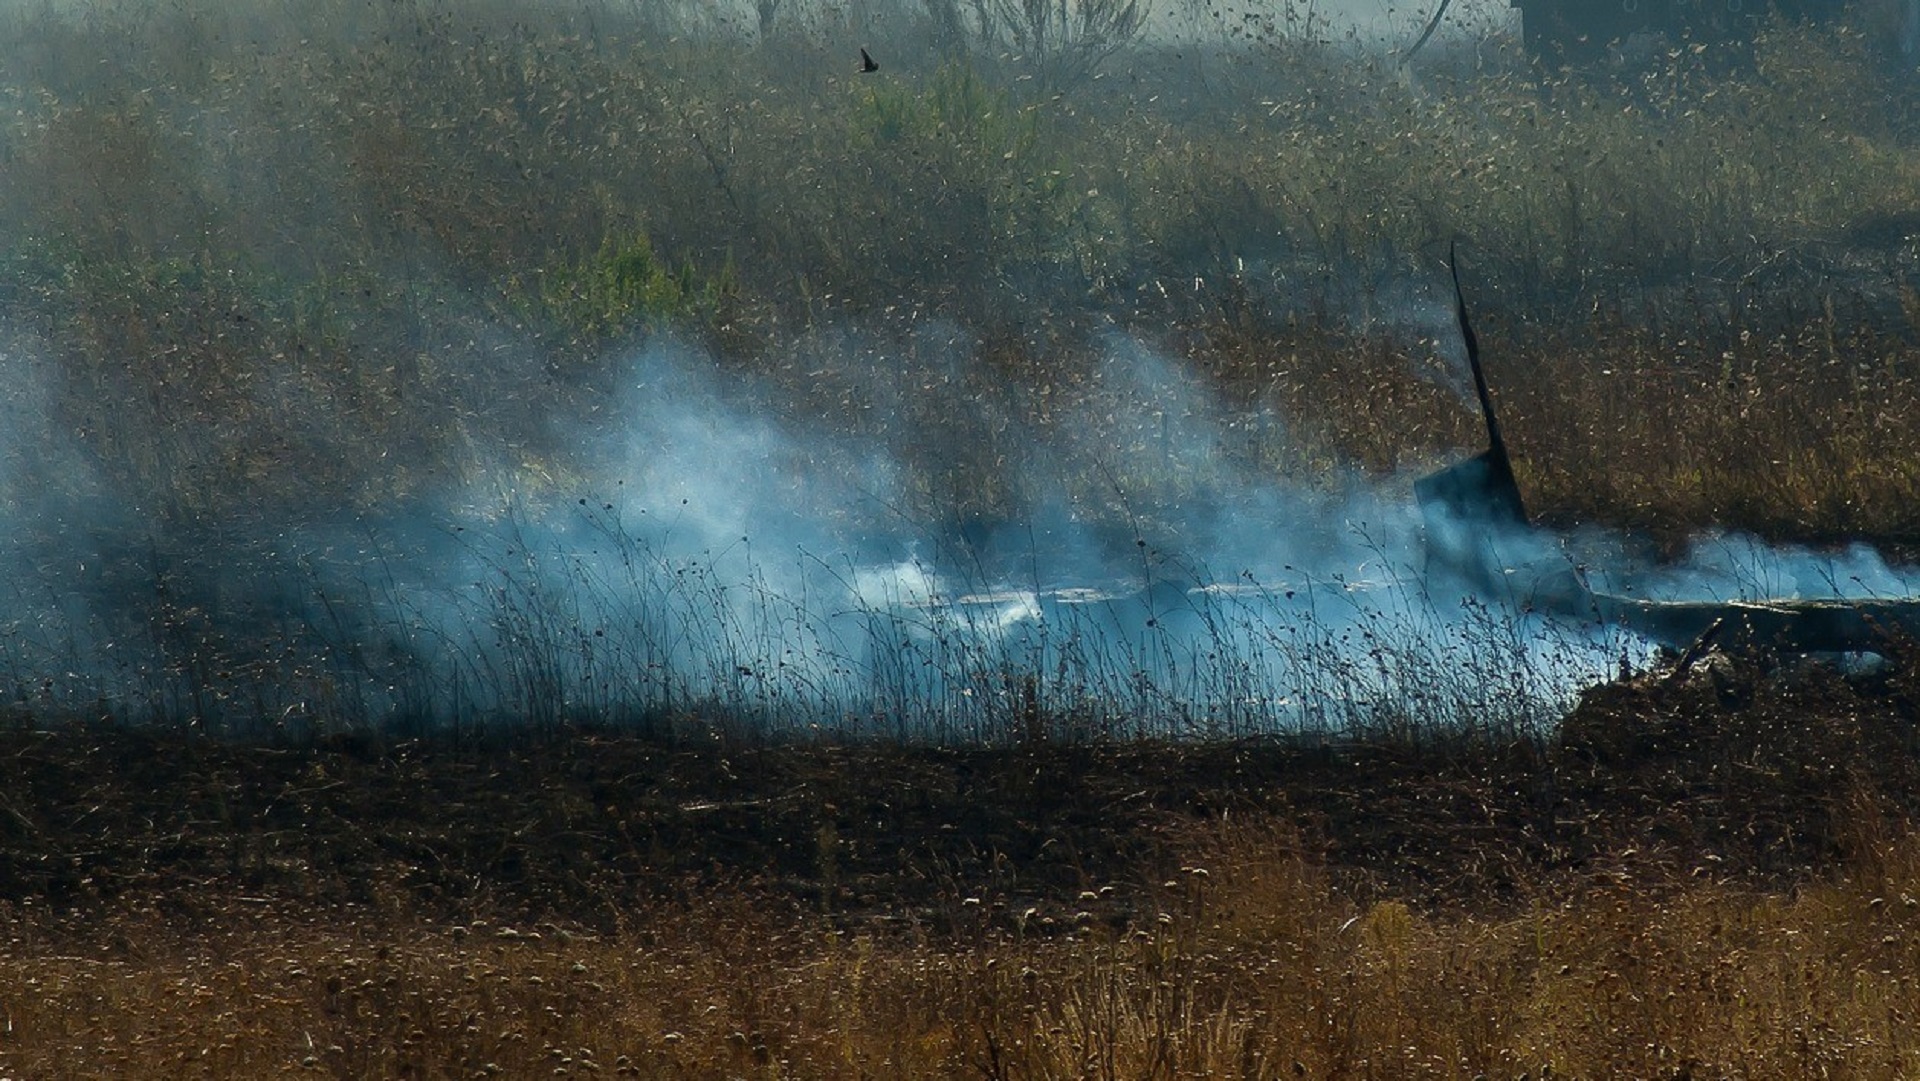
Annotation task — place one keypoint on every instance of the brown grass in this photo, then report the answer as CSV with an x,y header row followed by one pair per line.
x,y
1703,877
288,251
262,267
1255,965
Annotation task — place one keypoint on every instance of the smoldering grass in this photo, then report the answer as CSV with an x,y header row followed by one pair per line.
x,y
526,192
949,662
585,624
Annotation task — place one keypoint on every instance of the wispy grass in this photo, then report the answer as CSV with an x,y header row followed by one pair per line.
x,y
367,202
578,618
310,265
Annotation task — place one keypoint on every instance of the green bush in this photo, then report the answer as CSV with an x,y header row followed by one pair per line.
x,y
626,287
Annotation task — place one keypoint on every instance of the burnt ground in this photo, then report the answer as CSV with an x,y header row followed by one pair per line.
x,y
1728,770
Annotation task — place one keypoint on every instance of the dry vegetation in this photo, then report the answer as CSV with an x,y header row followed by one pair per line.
x,y
1258,969
260,268
286,288
315,255
1705,877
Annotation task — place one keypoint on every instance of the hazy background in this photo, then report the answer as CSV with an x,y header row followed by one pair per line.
x,y
444,363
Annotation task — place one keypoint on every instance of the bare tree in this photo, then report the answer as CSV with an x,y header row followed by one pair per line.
x,y
766,10
1066,39
950,31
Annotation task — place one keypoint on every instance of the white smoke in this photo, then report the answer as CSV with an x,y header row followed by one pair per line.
x,y
706,557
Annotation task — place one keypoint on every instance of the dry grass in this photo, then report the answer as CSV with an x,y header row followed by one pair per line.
x,y
424,232
1793,435
1255,965
1710,877
262,262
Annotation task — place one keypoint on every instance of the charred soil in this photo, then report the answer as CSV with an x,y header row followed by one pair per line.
x,y
1730,770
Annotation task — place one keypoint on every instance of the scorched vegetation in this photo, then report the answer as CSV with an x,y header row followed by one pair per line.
x,y
642,539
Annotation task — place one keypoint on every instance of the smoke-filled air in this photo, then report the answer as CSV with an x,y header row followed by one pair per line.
x,y
930,370
960,540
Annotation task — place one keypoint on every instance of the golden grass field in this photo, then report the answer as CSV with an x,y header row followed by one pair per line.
x,y
1260,966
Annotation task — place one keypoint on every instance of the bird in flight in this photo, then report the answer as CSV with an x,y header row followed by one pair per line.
x,y
867,66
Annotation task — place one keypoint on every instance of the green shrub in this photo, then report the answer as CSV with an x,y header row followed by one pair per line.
x,y
627,287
